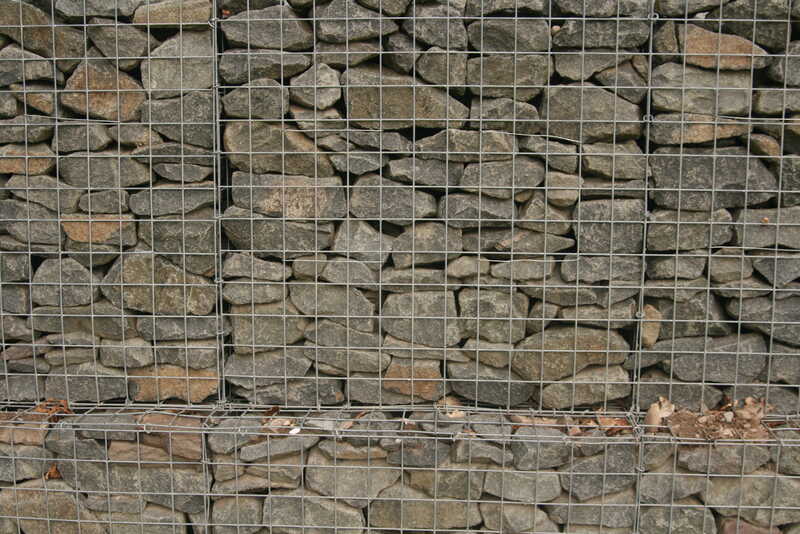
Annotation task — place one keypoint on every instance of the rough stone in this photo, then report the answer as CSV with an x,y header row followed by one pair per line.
x,y
26,159
559,156
428,317
465,210
275,27
241,65
769,316
123,44
713,50
403,507
693,128
771,29
505,115
687,230
108,201
521,77
503,179
186,119
724,459
318,87
593,385
341,304
33,28
624,235
467,146
162,382
680,319
129,353
687,89
681,266
294,197
425,172
689,516
440,67
108,169
48,504
626,81
187,242
375,197
173,13
168,72
46,191
578,66
509,35
590,477
244,265
437,24
502,316
283,508
86,382
619,162
64,283
615,34
359,24
489,385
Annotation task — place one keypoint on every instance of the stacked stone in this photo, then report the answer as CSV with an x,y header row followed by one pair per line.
x,y
108,247
573,206
428,470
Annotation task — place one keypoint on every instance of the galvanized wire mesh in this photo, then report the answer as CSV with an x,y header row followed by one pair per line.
x,y
464,245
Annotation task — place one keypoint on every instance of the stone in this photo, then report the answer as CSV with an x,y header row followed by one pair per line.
x,y
48,504
687,89
437,66
578,66
382,141
692,128
783,365
241,65
64,283
331,334
171,198
759,228
46,191
686,266
245,291
108,169
73,9
559,156
771,29
183,172
769,316
186,242
523,269
314,389
86,382
375,197
101,317
425,172
782,70
584,112
20,66
540,317
536,448
26,159
476,450
602,474
403,507
521,77
108,201
614,34
476,8
274,27
779,269
231,433
503,179
358,163
669,482
493,315
294,197
354,482
176,292
266,237
167,72
436,25
406,349
428,317
488,385
723,459
123,44
591,269
279,147
237,515
14,267
509,35
188,118
512,517
680,319
650,330
467,266
262,98
184,328
162,382
467,146
626,81
713,50
402,52
303,507
454,481
318,87
505,115
349,54
361,24
244,265
465,210
689,516
26,129
358,240
35,30
681,8
261,369
618,162
520,240
694,229
593,385
624,235
381,99
560,351
22,462
615,316
327,301
737,526
130,353
90,91
174,13
603,8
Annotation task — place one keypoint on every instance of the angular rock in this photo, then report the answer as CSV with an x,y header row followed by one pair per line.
x,y
172,199
350,272
723,459
624,235
26,129
274,27
349,480
285,508
759,228
509,35
620,162
26,159
168,72
375,197
262,98
440,67
602,474
129,353
467,146
241,65
293,197
505,115
108,169
33,28
342,21
593,385
767,315
188,242
686,89
45,190
521,77
465,211
177,13
692,128
416,378
341,304
686,230
771,29
503,179
237,515
626,81
238,265
108,201
713,50
758,494
403,507
64,283
681,266
591,269
478,8
186,119
689,516
358,240
86,382
436,24
488,385
700,315
578,66
163,382
48,504
426,172
428,317
318,87
493,315
615,34
245,291
559,156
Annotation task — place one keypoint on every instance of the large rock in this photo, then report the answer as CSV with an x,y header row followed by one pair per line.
x,y
427,172
615,34
64,283
601,474
700,315
412,246
437,24
47,504
189,242
505,115
26,159
560,351
262,98
765,23
426,317
714,50
340,304
489,385
593,385
403,507
684,515
520,77
768,227
318,87
763,498
513,517
587,113
86,382
467,146
149,283
493,315
97,89
688,230
182,63
382,99
266,325
509,35
621,162
775,317
286,510
687,89
539,447
239,66
375,197
170,198
624,235
30,223
343,21
163,382
37,32
462,210
276,27
293,197
186,119
280,150
108,169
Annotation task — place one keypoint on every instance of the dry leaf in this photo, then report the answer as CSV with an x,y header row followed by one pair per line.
x,y
522,419
52,473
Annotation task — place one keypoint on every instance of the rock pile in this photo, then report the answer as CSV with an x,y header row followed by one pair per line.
x,y
448,469
557,204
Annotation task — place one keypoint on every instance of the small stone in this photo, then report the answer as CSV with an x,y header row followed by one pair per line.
x,y
403,507
168,72
506,35
520,77
723,460
178,172
29,224
64,283
685,89
185,119
479,8
686,230
318,87
162,382
759,228
262,98
778,268
420,318
501,179
350,272
578,66
651,327
689,516
173,13
45,190
237,515
738,526
375,197
90,91
693,128
170,198
401,52
502,317
436,24
328,300
237,265
465,211
26,159
771,29
360,24
625,235
537,448
512,517
505,115
681,8
349,54
521,241
358,240
769,316
467,266
614,34
22,462
355,482
183,328
108,169
587,478
238,66
559,156
477,450
86,382
245,291
617,162
467,146
440,67
585,112
19,66
123,44
26,129
130,353
713,50
540,317
682,266
108,201
71,137
562,350
380,99
426,172
295,197
489,385
186,242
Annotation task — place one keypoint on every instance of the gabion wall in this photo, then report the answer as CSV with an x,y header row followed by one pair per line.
x,y
416,218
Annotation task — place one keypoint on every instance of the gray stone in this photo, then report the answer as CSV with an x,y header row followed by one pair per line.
x,y
593,385
689,516
261,369
513,517
314,389
46,191
602,474
503,179
342,304
771,30
354,482
241,65
539,447
108,201
358,163
615,316
437,24
604,8
784,364
348,54
688,89
784,401
523,269
700,315
15,299
265,237
375,197
108,169
21,462
124,44
618,162
382,141
293,197
559,156
187,242
625,80
231,433
245,291
493,315
358,240
477,450
624,235
489,385
587,113
415,279
47,503
700,170
687,230
606,512
468,266
505,115
615,34
318,87
26,129
72,9
521,77
560,351
403,507
425,172
30,223
170,198
18,65
468,211
677,290
435,321
509,35
178,172
101,317
359,24
237,515
453,481
779,268
243,265
188,118
540,317
154,153
64,283
440,67
174,13
169,72
275,27
14,267
771,316
401,52
578,66
693,128
350,272
86,382
283,509
262,325
668,483
520,240
281,149
591,269
723,459
680,266
332,334
681,8
134,352
393,8
181,328
478,8
542,486
467,146
759,228
381,99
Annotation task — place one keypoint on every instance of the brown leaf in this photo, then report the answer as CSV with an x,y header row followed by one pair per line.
x,y
52,473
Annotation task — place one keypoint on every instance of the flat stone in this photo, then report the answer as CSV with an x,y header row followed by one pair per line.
x,y
454,481
241,65
757,493
46,191
770,316
366,388
64,282
403,507
493,315
520,240
505,115
274,27
540,317
559,351
467,266
293,197
466,211
687,89
505,35
489,385
74,9
521,77
467,146
779,269
48,504
375,197
33,28
174,13
26,129
402,52
425,172
437,24
187,242
437,66
318,87
604,8
261,325
108,169
280,149
22,462
26,159
477,450
619,162
770,30
129,353
723,460
625,235
615,316
170,198
734,358
713,50
162,382
20,66
587,478
301,506
169,72
360,24
502,179
680,319
587,113
86,382
691,516
510,517
237,515
478,8
380,99
358,163
188,118
244,265
184,328
108,201
686,266
262,98
265,237
428,325
686,230
591,269
680,8
327,301
759,228
625,33
350,272
314,389
358,240
559,156
90,91
693,128
261,369
607,513
245,291
350,54
578,66
182,293
625,80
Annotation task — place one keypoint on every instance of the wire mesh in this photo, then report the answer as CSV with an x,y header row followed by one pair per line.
x,y
467,247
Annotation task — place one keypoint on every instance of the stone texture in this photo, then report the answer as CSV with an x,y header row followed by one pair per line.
x,y
274,27
375,197
403,507
64,283
628,33
688,89
712,50
428,318
167,72
686,230
488,385
520,77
